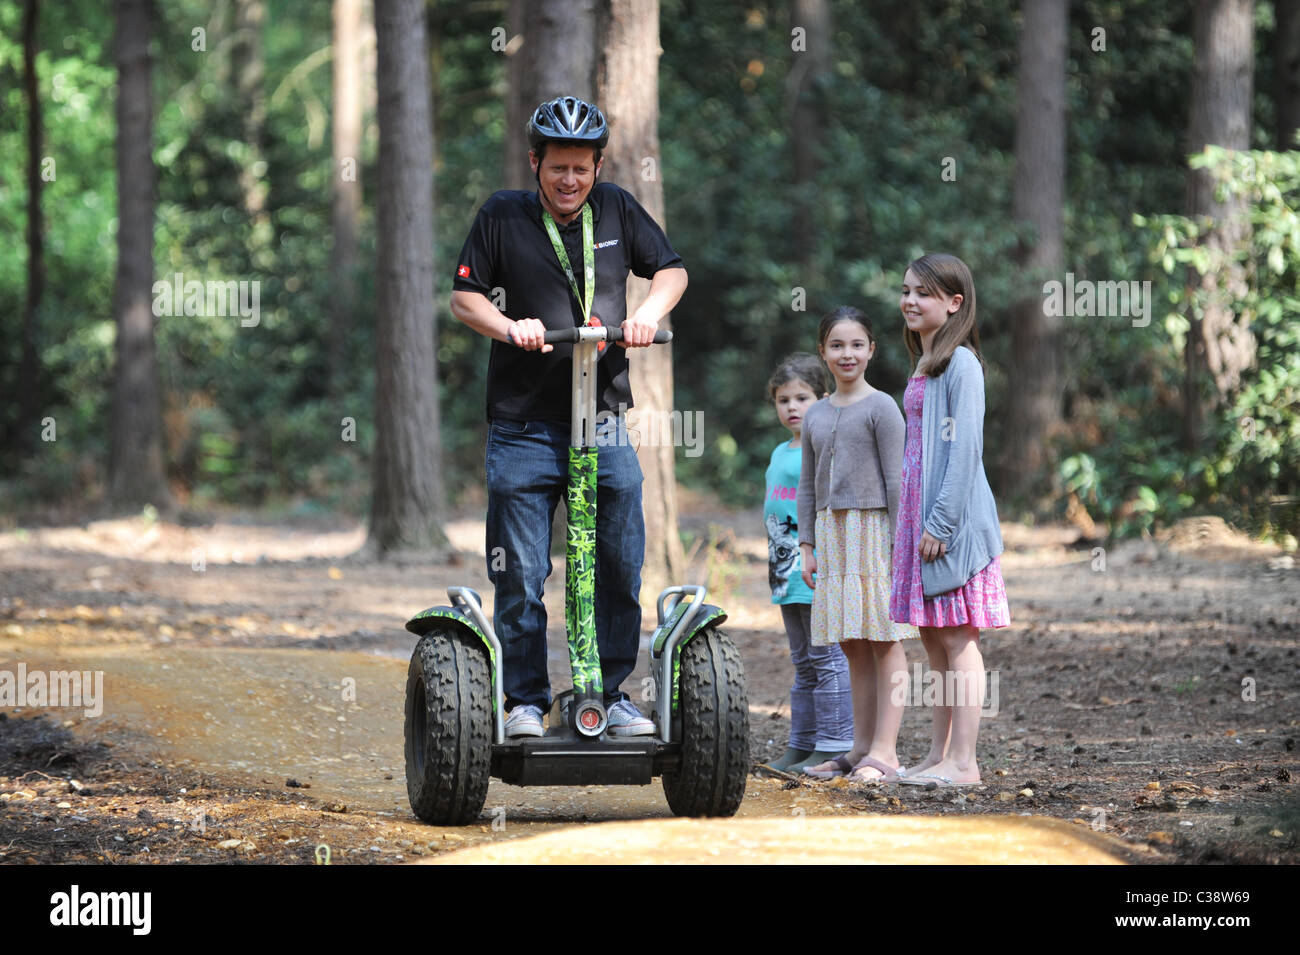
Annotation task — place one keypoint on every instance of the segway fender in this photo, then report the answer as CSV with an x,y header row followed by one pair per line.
x,y
709,616
427,620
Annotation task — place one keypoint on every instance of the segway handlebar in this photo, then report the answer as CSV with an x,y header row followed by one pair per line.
x,y
596,333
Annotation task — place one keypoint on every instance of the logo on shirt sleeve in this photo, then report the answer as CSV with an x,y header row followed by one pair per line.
x,y
463,271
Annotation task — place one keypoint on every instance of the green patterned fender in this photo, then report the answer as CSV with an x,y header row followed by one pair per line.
x,y
709,616
426,620
580,573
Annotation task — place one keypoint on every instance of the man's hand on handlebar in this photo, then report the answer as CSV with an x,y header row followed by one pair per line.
x,y
528,334
638,333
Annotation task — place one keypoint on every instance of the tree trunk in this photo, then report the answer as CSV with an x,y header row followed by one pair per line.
x,y
407,501
557,57
1286,72
628,92
135,454
1219,342
29,362
348,20
250,71
810,62
1034,408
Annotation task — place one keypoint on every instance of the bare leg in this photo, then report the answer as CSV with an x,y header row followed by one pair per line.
x,y
862,683
889,683
964,696
942,718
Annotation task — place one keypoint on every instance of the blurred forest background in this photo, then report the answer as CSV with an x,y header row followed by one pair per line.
x,y
805,152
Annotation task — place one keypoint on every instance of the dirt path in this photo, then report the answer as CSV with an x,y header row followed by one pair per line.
x,y
252,710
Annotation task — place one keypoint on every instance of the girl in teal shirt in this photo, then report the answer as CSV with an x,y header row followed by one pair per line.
x,y
821,713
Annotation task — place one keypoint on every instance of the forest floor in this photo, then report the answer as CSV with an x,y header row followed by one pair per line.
x,y
253,673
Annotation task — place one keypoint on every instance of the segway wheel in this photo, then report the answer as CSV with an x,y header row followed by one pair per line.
x,y
448,729
714,708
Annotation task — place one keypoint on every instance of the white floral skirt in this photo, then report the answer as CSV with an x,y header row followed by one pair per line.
x,y
854,561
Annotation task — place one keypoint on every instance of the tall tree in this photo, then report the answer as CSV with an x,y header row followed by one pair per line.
x,y
406,509
810,25
250,73
349,16
628,91
1219,341
135,453
1034,404
29,362
1286,71
552,53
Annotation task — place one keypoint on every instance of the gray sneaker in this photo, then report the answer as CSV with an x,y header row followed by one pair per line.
x,y
626,720
525,720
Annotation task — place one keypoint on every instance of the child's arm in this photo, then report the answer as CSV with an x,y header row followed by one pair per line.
x,y
965,433
806,501
891,435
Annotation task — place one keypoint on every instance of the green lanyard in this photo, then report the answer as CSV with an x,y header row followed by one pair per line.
x,y
588,258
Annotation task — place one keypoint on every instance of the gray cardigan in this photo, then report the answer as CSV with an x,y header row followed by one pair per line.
x,y
866,469
956,501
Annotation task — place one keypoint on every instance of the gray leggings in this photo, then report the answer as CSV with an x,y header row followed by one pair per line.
x,y
821,705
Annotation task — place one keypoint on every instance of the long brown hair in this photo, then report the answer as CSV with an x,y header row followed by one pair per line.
x,y
947,275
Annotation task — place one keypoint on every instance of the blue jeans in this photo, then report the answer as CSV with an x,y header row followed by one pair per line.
x,y
527,473
821,703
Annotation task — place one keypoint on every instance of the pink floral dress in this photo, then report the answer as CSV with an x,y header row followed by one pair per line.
x,y
982,602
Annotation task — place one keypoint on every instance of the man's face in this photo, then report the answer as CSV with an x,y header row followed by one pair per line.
x,y
566,176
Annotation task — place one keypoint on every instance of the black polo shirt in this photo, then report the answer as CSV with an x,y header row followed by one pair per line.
x,y
508,249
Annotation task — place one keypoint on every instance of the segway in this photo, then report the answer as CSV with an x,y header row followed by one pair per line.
x,y
455,704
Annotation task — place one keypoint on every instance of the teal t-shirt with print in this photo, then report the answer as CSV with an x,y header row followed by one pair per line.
x,y
781,516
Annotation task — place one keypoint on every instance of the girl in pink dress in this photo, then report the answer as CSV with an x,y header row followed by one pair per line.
x,y
947,578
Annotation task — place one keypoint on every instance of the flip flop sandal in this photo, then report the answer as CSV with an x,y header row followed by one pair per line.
x,y
843,768
889,773
934,782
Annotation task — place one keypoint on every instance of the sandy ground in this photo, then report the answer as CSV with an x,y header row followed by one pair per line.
x,y
252,709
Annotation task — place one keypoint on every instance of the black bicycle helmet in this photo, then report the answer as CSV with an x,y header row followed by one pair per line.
x,y
567,119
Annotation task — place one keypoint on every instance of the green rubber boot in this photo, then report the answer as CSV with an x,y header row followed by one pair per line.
x,y
787,759
813,759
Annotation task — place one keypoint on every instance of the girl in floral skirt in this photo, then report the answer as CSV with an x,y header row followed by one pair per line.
x,y
852,468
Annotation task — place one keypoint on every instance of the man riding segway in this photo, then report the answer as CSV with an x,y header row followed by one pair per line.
x,y
557,258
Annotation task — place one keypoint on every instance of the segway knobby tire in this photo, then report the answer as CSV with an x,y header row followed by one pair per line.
x,y
448,729
714,707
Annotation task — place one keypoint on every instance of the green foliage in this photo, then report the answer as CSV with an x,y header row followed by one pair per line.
x,y
250,415
1249,468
